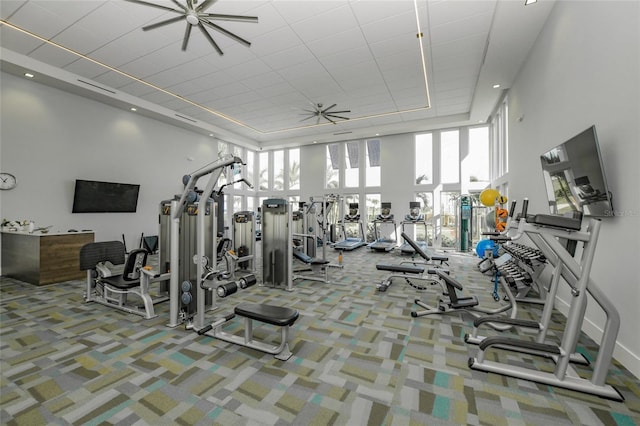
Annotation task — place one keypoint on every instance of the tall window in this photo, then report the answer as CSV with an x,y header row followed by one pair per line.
x,y
294,168
372,170
248,170
332,177
237,203
426,204
237,152
425,233
352,171
500,142
448,224
278,170
423,152
372,209
450,156
263,164
476,164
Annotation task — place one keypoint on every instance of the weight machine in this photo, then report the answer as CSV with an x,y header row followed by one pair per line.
x,y
192,221
277,243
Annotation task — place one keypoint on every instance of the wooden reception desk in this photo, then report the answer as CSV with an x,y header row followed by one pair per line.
x,y
43,258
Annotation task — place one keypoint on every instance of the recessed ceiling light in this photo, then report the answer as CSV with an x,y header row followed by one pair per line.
x,y
496,86
528,2
28,75
377,134
211,134
315,141
134,109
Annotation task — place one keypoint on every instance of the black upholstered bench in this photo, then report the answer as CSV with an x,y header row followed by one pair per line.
x,y
405,269
274,315
268,314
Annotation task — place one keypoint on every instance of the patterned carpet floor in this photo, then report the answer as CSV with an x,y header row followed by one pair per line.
x,y
359,358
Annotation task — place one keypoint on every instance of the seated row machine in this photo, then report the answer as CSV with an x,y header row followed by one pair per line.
x,y
112,289
280,316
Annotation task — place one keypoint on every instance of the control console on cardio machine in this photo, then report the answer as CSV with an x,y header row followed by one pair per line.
x,y
353,238
384,242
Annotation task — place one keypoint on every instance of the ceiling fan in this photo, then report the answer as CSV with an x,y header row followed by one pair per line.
x,y
196,15
320,112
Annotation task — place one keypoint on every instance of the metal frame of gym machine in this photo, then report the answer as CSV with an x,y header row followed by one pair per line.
x,y
200,258
544,231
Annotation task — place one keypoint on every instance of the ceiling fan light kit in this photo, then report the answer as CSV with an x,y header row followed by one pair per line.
x,y
195,14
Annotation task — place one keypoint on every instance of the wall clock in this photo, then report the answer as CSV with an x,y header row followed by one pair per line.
x,y
7,181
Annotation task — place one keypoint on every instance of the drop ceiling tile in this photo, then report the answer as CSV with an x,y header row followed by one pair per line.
x,y
17,41
85,68
35,18
392,27
52,55
337,42
347,58
295,11
286,58
445,12
323,25
112,79
367,11
9,7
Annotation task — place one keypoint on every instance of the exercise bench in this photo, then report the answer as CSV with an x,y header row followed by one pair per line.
x,y
407,271
313,265
274,315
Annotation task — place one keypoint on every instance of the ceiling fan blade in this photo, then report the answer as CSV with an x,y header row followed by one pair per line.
x,y
327,118
163,23
205,4
335,116
327,108
310,111
180,5
225,32
159,6
211,40
220,17
187,34
338,112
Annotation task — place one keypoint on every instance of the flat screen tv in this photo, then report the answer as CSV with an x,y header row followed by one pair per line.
x,y
104,197
574,177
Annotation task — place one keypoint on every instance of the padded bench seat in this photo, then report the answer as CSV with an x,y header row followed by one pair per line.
x,y
405,269
274,315
308,259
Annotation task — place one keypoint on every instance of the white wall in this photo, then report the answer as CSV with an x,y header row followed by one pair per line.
x,y
50,138
584,70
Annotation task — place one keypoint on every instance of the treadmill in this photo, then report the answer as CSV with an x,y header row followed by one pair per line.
x,y
384,242
414,219
351,220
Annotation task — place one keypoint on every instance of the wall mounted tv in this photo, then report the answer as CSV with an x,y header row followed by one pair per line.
x,y
104,197
574,177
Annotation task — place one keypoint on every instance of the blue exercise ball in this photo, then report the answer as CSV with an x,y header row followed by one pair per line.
x,y
484,245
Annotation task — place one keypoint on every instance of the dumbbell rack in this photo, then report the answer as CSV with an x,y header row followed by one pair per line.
x,y
523,270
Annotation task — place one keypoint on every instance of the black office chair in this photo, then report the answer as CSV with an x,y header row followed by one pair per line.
x,y
112,290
